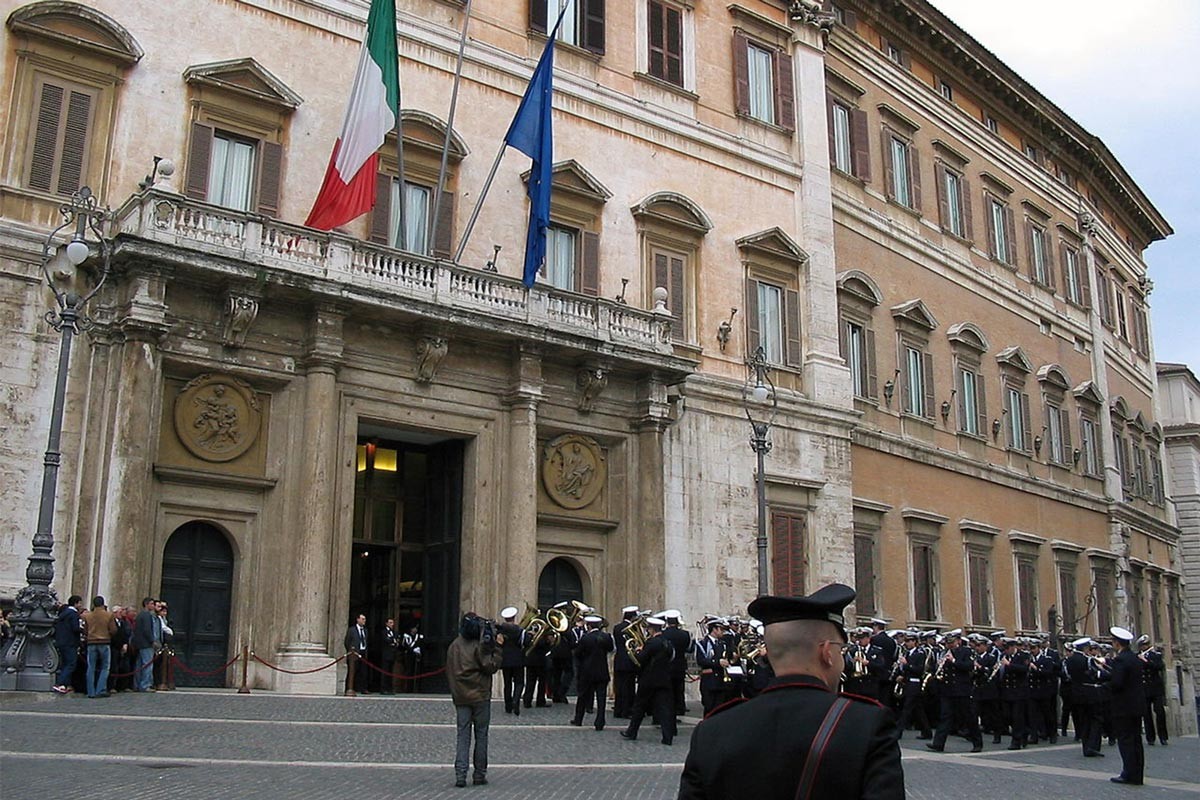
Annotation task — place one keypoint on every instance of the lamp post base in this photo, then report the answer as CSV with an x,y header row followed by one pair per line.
x,y
30,662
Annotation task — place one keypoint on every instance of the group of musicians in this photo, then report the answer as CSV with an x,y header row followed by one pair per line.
x,y
975,684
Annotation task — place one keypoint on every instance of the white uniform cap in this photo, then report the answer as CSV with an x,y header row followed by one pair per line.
x,y
878,621
1084,642
1122,634
629,610
671,613
509,612
657,622
1143,639
591,619
955,632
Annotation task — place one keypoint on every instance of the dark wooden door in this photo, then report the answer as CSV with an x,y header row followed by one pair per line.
x,y
559,581
197,584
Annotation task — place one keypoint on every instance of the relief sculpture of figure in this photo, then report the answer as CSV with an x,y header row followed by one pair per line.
x,y
217,421
575,471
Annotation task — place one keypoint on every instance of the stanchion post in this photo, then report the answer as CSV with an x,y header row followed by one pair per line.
x,y
351,661
244,689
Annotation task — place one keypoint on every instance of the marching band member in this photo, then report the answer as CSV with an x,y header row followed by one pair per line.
x,y
592,678
654,683
956,668
512,660
912,663
681,640
1014,691
624,670
1043,684
1087,690
1128,708
712,658
1154,687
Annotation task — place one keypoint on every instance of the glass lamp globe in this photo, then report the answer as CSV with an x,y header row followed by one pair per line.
x,y
760,393
77,252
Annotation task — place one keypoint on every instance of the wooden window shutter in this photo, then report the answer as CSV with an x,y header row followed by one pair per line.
x,y
921,582
961,404
1048,254
964,192
655,25
889,167
872,370
1064,425
589,264
1010,231
593,26
678,297
741,73
1029,247
902,377
74,142
850,19
1026,424
1066,277
443,237
381,214
538,16
270,169
939,176
1085,281
927,379
787,567
905,59
914,175
674,46
785,91
1008,411
981,404
860,144
753,334
45,137
199,155
795,353
843,339
829,104
991,223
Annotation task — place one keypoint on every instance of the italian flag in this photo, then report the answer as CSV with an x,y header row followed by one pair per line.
x,y
349,187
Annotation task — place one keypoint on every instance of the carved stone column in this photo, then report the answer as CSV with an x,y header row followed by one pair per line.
x,y
307,645
648,549
518,548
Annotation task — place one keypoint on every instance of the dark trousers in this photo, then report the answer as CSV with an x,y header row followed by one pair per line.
x,y
1090,726
712,696
912,709
589,691
560,679
991,716
514,686
624,687
1042,718
660,701
1128,731
1018,714
535,685
1068,710
1155,711
957,714
387,683
677,693
360,675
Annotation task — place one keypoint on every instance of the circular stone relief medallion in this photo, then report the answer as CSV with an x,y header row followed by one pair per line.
x,y
217,417
573,470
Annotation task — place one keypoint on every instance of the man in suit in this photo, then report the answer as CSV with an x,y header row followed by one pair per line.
x,y
512,660
67,627
1128,705
624,670
388,649
1088,693
798,738
146,636
681,640
593,652
654,684
356,643
954,696
712,660
1154,687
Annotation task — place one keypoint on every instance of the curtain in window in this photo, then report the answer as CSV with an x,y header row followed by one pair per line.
x,y
230,173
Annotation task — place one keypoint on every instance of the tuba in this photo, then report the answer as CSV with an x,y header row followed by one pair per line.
x,y
637,633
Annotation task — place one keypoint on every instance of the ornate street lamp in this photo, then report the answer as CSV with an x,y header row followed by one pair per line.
x,y
30,660
761,404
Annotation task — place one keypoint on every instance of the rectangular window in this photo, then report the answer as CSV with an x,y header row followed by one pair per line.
x,y
895,53
1074,286
1139,470
1027,593
1016,420
582,21
1173,609
1066,594
1103,587
562,248
1065,177
1087,444
568,29
61,132
787,553
231,171
1158,495
1104,296
945,90
990,122
416,217
980,588
1038,260
670,272
1032,154
914,399
666,42
770,321
864,573
1056,451
969,402
842,154
856,358
1155,609
762,85
924,578
1122,322
998,223
901,175
953,195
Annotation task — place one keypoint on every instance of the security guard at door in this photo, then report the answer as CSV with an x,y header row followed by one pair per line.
x,y
798,738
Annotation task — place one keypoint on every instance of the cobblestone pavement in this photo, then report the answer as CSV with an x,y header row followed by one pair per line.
x,y
215,745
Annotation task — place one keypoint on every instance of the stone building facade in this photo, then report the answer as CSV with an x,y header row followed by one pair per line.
x,y
278,427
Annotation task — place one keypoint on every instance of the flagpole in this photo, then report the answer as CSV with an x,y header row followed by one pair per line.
x,y
441,184
479,203
402,237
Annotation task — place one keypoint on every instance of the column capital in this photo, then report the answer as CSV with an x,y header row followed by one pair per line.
x,y
325,342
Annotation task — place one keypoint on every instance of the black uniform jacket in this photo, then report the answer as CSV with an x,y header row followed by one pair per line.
x,y
593,652
681,640
1153,684
621,660
656,658
958,671
1127,699
757,748
513,653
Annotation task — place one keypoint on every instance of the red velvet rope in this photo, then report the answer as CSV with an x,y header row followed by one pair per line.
x,y
149,663
294,671
179,663
382,671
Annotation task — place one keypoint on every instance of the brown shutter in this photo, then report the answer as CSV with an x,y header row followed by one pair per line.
x,y
851,19
1048,254
654,25
962,402
443,237
199,154
927,374
914,171
1064,424
45,137
1010,229
1008,410
1029,247
674,46
939,176
794,354
381,214
270,169
753,335
537,16
741,73
589,278
829,104
889,181
872,370
1027,423
678,298
1085,280
860,144
593,26
844,339
991,224
785,91
964,193
902,376
981,403
1062,265
74,142
905,59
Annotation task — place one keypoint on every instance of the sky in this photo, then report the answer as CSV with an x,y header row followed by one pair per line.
x,y
1130,74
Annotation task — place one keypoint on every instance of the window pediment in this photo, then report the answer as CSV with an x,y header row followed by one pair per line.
x,y
77,27
675,209
916,312
968,335
1088,391
1015,357
774,244
859,284
571,177
994,184
1054,375
1121,408
1139,422
245,77
897,120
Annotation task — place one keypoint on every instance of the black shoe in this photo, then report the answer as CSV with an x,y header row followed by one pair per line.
x,y
977,748
479,780
1112,742
925,736
1014,746
460,782
599,727
1053,740
667,742
1094,754
935,748
540,704
630,736
1123,779
1163,742
575,722
517,711
1150,742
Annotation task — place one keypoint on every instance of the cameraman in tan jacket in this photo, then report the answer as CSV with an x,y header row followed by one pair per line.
x,y
471,661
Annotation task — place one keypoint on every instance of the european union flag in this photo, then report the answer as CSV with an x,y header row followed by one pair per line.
x,y
530,133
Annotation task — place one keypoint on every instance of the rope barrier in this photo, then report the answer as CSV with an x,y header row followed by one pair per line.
x,y
269,665
400,675
149,663
207,673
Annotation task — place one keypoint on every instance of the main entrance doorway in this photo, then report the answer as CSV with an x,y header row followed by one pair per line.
x,y
197,585
405,557
559,581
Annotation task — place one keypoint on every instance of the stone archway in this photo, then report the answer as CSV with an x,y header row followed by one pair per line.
x,y
560,580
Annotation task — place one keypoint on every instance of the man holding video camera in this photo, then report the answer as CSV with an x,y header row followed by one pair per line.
x,y
471,661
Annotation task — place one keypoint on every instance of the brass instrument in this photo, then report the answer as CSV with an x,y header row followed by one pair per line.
x,y
859,659
637,632
549,628
930,674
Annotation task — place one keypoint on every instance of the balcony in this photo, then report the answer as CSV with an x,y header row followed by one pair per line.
x,y
339,266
